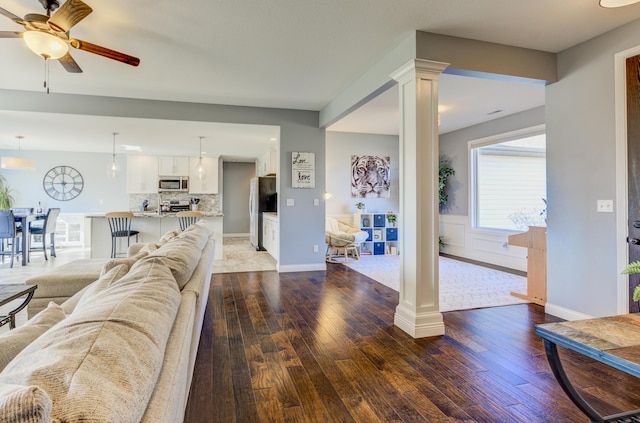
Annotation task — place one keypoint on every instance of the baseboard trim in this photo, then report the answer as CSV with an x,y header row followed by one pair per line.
x,y
565,313
311,267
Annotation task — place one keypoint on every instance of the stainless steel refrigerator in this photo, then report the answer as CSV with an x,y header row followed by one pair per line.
x,y
262,198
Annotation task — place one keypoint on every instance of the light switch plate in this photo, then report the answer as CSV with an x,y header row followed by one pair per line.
x,y
605,206
290,202
316,202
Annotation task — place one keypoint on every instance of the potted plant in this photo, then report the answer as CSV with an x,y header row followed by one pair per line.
x,y
391,218
361,207
6,199
631,269
444,171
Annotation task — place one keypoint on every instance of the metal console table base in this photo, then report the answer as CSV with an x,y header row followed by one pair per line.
x,y
9,293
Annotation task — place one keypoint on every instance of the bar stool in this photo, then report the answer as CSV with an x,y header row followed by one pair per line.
x,y
188,218
120,225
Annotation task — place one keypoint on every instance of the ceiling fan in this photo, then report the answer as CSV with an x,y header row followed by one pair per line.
x,y
48,36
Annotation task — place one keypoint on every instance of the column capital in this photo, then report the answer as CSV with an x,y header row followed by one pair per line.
x,y
427,69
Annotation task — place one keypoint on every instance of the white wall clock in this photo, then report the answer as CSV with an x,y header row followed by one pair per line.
x,y
63,183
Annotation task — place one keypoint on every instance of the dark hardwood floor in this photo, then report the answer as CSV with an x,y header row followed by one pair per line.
x,y
321,347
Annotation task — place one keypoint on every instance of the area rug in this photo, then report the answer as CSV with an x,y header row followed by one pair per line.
x,y
462,285
240,256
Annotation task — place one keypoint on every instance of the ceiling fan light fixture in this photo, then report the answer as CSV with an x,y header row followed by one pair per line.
x,y
616,3
113,170
45,45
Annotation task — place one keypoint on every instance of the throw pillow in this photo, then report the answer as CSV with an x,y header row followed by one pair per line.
x,y
169,235
24,404
14,341
128,261
102,362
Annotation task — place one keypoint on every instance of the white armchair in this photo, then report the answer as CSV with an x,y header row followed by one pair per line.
x,y
343,241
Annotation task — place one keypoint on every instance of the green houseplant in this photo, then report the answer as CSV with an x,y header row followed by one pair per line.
x,y
6,199
392,218
444,171
631,269
361,207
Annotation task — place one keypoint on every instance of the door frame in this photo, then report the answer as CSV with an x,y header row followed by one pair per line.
x,y
622,217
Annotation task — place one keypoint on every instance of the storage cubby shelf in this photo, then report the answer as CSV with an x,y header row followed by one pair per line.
x,y
383,234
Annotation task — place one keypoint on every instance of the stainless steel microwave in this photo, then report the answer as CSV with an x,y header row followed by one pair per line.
x,y
173,183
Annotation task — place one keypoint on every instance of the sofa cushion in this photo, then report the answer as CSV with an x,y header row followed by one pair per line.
x,y
182,253
102,362
14,341
66,280
24,404
104,282
169,235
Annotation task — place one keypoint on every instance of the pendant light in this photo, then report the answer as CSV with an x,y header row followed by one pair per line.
x,y
17,163
616,3
201,171
113,170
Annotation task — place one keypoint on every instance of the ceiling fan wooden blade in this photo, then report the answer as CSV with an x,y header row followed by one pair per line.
x,y
69,14
103,51
10,15
10,34
69,64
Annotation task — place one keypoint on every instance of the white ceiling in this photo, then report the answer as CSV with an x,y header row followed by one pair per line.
x,y
278,53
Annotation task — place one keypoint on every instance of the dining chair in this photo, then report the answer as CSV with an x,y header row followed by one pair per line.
x,y
188,218
8,232
120,226
48,227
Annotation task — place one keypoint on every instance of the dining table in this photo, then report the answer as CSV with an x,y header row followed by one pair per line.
x,y
24,219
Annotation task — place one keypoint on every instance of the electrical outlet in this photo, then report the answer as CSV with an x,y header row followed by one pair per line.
x,y
290,202
315,248
316,202
605,206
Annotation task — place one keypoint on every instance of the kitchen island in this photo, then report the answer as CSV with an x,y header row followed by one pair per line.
x,y
151,227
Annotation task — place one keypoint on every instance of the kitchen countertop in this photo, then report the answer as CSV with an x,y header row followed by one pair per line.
x,y
155,215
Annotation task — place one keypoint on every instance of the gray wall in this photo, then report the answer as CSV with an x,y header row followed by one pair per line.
x,y
580,115
236,187
100,194
340,147
454,147
301,225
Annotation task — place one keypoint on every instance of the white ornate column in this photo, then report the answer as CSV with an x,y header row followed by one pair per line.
x,y
418,312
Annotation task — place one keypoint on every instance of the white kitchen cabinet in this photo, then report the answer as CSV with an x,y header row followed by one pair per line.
x,y
210,184
268,163
173,166
270,232
142,174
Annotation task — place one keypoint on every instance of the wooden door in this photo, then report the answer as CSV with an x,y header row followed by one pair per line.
x,y
633,165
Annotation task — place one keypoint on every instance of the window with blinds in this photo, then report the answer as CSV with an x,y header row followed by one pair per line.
x,y
509,181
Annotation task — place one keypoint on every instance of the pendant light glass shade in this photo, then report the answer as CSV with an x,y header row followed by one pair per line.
x,y
17,163
44,44
616,3
113,170
201,171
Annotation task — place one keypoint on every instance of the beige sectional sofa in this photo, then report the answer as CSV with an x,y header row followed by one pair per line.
x,y
123,348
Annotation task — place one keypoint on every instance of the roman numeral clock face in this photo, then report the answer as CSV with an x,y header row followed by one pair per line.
x,y
63,183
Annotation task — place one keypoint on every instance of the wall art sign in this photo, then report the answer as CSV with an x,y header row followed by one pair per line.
x,y
370,177
303,170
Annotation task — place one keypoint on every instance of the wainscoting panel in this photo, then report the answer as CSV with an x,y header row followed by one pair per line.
x,y
486,246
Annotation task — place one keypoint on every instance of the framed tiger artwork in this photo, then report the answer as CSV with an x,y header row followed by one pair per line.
x,y
370,177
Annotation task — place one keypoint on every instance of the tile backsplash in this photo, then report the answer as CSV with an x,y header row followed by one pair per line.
x,y
209,203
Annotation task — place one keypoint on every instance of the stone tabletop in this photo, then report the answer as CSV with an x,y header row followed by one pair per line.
x,y
611,340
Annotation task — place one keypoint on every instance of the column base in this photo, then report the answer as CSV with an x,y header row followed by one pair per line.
x,y
419,325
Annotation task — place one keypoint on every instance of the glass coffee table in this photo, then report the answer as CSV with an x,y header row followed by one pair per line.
x,y
12,292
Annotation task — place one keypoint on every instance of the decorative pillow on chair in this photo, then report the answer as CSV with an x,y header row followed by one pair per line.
x,y
24,404
14,341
